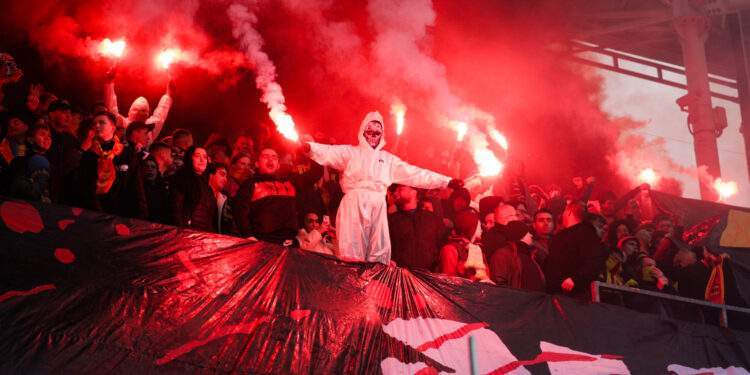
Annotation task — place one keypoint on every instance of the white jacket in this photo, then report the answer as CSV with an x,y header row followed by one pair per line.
x,y
139,104
366,173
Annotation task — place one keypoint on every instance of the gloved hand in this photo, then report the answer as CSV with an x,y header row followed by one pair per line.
x,y
456,183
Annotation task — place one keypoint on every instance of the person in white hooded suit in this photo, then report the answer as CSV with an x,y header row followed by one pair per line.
x,y
139,110
366,173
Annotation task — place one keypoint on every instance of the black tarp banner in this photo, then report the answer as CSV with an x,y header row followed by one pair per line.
x,y
721,228
87,293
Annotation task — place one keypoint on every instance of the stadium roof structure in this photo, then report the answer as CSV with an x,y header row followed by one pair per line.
x,y
641,31
639,38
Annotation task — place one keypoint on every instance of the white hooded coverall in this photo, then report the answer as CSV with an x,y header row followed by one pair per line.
x,y
366,173
139,104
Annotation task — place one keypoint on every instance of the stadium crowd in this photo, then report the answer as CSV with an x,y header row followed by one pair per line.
x,y
507,232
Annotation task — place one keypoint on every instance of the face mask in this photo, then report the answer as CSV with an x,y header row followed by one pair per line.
x,y
647,273
373,132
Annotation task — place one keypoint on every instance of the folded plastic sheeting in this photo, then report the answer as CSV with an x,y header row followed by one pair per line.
x,y
87,293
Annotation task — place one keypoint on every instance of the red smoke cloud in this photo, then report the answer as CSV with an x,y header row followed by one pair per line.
x,y
491,64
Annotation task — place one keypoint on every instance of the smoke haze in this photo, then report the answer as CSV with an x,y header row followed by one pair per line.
x,y
494,65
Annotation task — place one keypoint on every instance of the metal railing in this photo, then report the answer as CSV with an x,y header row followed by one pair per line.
x,y
723,321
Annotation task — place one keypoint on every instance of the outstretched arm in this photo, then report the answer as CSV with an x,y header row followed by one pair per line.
x,y
336,157
160,113
110,99
407,174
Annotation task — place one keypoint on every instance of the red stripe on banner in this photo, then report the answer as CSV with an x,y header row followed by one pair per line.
x,y
24,293
427,371
542,358
245,329
559,308
453,335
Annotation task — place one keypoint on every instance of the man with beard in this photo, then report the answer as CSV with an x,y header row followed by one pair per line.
x,y
415,234
366,173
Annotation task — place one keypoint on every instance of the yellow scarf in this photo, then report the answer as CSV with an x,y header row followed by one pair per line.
x,y
105,168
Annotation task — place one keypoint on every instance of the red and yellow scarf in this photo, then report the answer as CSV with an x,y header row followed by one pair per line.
x,y
105,167
715,286
7,152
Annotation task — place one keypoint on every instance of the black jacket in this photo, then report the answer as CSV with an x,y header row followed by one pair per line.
x,y
575,252
126,197
193,202
64,156
265,205
158,199
416,238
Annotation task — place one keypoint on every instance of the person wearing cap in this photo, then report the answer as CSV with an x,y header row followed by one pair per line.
x,y
136,136
463,255
65,154
620,264
110,179
512,264
366,173
139,110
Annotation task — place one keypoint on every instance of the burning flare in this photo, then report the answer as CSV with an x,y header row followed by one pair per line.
x,y
725,189
461,128
399,110
168,56
284,123
108,47
500,139
487,162
648,176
